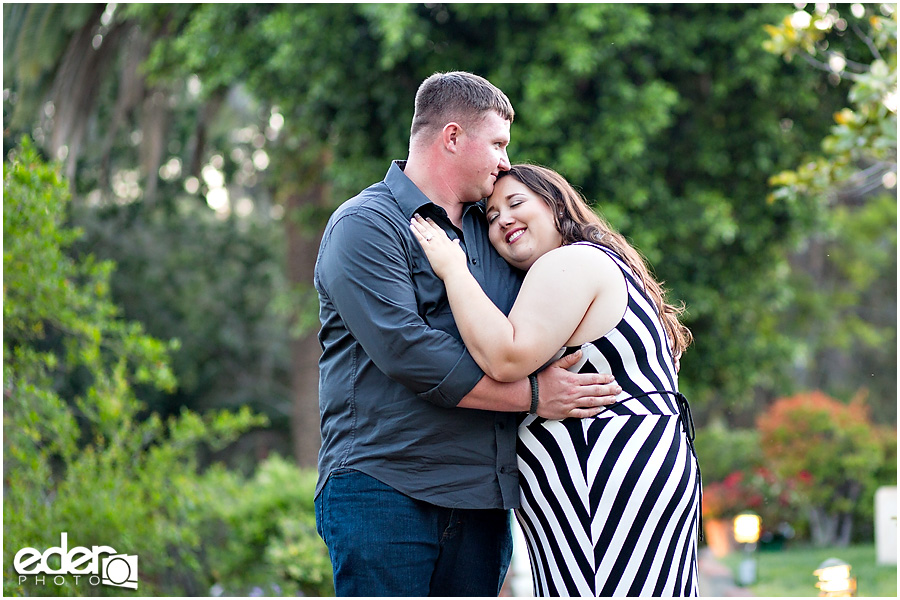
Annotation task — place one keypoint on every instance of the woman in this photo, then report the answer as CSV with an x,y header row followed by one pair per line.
x,y
610,504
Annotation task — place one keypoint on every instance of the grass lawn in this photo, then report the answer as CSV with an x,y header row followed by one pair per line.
x,y
789,572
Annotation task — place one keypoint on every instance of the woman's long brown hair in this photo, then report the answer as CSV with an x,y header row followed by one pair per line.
x,y
578,223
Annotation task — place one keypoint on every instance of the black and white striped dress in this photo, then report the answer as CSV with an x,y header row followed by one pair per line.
x,y
610,504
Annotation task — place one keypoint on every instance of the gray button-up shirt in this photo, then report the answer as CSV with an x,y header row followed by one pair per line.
x,y
393,366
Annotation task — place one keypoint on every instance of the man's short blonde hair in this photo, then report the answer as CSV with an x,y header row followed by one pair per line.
x,y
456,96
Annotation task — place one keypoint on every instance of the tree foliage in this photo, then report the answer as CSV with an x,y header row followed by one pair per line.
x,y
844,321
215,285
263,540
861,149
206,144
80,455
671,118
211,280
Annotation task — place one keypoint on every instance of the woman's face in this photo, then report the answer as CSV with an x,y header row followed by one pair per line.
x,y
520,224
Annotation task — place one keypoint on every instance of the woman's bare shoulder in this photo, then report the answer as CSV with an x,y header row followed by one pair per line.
x,y
576,255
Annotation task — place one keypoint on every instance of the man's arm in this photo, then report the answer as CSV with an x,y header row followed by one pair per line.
x,y
364,271
562,393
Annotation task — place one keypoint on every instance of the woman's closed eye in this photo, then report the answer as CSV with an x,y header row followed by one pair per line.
x,y
492,215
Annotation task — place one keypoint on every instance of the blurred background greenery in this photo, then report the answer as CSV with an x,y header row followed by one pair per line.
x,y
789,573
169,168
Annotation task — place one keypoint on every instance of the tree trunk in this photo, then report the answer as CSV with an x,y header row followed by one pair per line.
x,y
823,527
845,530
154,126
852,491
132,87
308,196
305,391
74,92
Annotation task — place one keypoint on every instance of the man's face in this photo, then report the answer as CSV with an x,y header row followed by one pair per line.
x,y
483,156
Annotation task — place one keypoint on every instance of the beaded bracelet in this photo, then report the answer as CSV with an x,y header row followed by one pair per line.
x,y
534,394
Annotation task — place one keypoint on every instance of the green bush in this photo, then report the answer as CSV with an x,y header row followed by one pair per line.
x,y
85,459
722,451
264,535
813,463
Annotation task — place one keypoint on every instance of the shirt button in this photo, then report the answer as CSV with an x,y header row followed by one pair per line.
x,y
474,261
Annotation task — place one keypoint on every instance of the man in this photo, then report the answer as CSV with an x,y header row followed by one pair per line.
x,y
413,492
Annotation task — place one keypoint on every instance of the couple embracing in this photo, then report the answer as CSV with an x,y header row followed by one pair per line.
x,y
489,343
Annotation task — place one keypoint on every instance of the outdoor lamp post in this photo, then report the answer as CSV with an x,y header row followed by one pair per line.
x,y
834,578
746,532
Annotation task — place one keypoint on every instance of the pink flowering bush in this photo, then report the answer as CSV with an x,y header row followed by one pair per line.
x,y
833,453
775,499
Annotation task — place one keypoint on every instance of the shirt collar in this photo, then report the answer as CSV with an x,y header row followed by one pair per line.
x,y
409,197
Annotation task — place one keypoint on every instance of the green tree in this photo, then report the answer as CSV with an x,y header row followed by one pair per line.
x,y
669,117
79,454
265,534
845,320
210,283
61,62
212,280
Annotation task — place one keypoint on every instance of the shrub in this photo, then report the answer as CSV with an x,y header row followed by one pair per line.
x,y
78,458
722,450
758,490
836,446
724,499
263,537
776,500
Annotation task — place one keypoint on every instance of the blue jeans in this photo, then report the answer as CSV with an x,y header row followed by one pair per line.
x,y
384,543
